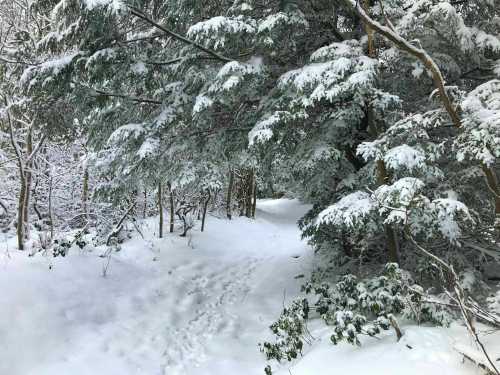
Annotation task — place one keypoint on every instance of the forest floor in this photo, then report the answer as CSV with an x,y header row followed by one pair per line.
x,y
188,306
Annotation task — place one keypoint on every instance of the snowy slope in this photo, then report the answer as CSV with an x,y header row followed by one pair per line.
x,y
168,307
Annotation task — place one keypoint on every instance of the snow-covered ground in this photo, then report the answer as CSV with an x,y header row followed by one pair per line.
x,y
171,307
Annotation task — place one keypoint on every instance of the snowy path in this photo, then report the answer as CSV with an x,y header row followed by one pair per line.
x,y
165,308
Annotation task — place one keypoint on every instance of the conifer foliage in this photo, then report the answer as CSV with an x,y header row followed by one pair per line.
x,y
383,115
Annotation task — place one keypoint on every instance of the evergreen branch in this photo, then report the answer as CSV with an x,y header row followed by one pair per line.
x,y
99,92
18,62
137,13
127,97
179,59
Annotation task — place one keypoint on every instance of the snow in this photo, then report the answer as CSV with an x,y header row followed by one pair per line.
x,y
275,20
263,130
400,193
332,79
313,73
172,306
350,48
496,68
481,140
421,350
195,306
53,67
348,211
101,56
202,102
116,5
404,156
126,131
253,66
139,68
148,148
216,24
446,210
217,29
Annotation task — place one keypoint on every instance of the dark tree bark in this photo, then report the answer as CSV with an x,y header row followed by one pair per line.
x,y
20,213
249,193
254,197
230,195
205,206
28,178
160,209
437,78
172,208
22,180
51,219
85,193
382,175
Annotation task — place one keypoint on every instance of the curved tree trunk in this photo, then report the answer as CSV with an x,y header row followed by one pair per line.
x,y
439,84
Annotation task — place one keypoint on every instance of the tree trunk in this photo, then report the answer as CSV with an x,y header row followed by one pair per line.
x,y
20,213
438,81
382,175
35,208
241,193
51,219
254,197
205,206
492,181
85,193
160,209
249,193
230,195
22,190
172,208
390,233
28,177
369,32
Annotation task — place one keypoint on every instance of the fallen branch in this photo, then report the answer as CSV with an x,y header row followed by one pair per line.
x,y
4,207
460,299
119,226
475,357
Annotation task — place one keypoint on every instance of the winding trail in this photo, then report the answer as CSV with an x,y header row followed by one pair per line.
x,y
166,308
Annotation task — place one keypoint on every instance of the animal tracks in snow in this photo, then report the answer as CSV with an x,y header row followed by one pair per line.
x,y
209,299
